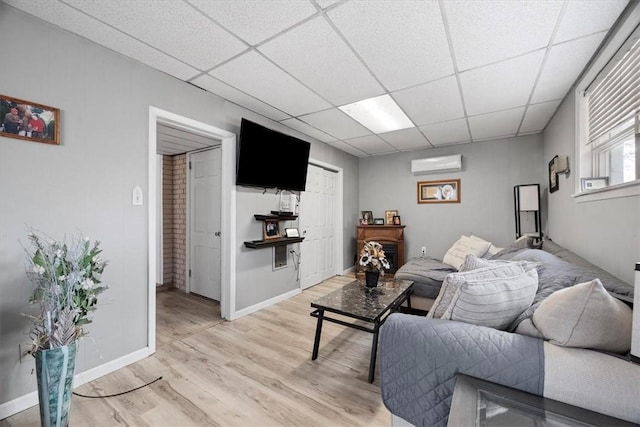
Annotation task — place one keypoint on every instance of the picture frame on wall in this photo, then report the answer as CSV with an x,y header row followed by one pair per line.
x,y
29,121
388,217
553,176
270,230
442,191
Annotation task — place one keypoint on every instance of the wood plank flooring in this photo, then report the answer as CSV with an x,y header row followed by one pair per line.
x,y
254,371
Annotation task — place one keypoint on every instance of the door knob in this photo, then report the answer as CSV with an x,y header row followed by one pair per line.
x,y
217,233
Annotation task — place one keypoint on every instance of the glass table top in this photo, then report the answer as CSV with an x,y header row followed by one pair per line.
x,y
356,300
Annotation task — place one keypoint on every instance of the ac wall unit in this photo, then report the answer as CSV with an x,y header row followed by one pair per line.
x,y
436,164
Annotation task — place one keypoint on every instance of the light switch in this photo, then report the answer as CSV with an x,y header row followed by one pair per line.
x,y
136,196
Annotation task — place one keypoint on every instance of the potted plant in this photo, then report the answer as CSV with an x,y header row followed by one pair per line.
x,y
67,277
374,262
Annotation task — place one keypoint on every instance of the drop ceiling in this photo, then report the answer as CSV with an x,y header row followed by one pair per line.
x,y
463,71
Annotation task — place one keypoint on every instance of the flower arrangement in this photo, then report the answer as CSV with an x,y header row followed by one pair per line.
x,y
372,257
67,277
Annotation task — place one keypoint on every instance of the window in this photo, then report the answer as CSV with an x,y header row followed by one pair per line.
x,y
613,116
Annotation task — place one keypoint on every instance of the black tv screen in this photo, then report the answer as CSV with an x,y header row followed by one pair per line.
x,y
271,159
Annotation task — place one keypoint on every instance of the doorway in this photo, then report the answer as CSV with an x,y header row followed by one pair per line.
x,y
321,224
226,141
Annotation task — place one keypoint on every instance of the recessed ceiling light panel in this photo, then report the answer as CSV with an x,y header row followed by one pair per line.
x,y
380,114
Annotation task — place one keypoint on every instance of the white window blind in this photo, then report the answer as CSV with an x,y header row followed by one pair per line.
x,y
615,99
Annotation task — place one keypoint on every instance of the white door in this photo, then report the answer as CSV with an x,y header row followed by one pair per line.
x,y
205,223
317,224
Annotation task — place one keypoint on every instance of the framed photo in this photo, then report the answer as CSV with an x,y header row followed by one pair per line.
x,y
444,191
593,183
378,221
553,176
388,216
270,229
291,232
396,220
367,217
29,121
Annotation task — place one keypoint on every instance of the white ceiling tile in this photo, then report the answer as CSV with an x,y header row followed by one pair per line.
x,y
72,20
431,102
454,131
486,31
336,123
587,17
371,144
333,70
537,116
500,86
234,95
256,20
348,149
406,139
326,3
496,125
171,27
379,33
301,126
253,74
563,66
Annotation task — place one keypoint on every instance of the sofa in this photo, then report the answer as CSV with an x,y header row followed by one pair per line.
x,y
560,328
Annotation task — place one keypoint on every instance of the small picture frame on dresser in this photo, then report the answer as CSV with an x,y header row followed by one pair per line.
x,y
378,221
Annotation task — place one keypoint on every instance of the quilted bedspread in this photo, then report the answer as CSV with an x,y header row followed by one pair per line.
x,y
420,358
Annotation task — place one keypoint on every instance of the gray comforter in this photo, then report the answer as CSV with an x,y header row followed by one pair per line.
x,y
420,358
427,275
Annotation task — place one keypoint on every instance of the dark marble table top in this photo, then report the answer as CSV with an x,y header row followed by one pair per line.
x,y
356,300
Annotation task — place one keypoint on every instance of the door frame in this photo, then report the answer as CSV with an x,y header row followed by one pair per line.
x,y
339,220
227,217
188,196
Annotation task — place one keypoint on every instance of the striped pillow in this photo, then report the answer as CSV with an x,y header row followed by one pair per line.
x,y
493,302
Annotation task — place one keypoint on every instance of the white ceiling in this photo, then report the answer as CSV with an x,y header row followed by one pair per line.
x,y
463,71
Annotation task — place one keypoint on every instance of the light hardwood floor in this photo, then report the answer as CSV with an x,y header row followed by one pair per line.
x,y
254,371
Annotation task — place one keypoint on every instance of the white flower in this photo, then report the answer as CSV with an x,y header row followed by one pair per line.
x,y
38,269
62,278
59,253
87,284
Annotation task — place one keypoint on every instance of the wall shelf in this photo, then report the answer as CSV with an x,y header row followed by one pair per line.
x,y
281,241
258,244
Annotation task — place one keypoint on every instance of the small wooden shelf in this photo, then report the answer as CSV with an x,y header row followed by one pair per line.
x,y
257,244
260,217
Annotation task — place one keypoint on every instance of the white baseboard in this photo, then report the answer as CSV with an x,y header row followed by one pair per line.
x,y
30,399
349,270
265,304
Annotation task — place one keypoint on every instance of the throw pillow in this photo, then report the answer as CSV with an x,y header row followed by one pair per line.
x,y
462,247
453,281
493,302
585,316
472,262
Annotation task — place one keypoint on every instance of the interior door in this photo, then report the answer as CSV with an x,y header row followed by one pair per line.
x,y
317,224
205,223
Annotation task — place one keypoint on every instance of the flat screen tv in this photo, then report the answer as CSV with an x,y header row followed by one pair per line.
x,y
271,159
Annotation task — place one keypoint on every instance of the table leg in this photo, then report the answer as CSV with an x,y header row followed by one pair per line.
x,y
316,343
409,302
374,352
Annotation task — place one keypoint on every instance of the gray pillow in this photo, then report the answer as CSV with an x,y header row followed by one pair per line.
x,y
493,302
472,262
585,316
453,281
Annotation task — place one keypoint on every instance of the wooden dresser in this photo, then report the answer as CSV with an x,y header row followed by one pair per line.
x,y
392,239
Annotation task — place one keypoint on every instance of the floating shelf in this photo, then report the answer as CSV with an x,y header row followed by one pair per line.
x,y
260,217
258,244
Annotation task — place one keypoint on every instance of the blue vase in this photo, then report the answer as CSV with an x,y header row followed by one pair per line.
x,y
54,370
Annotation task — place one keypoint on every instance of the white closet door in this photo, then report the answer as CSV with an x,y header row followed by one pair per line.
x,y
317,225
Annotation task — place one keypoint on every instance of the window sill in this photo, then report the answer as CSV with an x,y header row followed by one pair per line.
x,y
628,189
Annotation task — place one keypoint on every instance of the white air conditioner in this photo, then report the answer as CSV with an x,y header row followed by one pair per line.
x,y
436,164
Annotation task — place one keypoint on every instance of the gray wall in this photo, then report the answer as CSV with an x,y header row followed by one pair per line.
x,y
85,184
490,170
606,232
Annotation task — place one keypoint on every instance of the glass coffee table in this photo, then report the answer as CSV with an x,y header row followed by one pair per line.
x,y
371,305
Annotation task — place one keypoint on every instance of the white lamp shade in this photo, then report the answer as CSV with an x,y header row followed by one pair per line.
x,y
528,198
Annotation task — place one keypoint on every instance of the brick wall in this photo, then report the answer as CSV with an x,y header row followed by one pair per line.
x,y
167,220
179,220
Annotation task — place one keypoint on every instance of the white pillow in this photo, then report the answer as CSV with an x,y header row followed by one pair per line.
x,y
462,247
585,316
493,302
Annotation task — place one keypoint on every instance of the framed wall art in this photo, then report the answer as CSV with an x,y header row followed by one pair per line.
x,y
29,121
443,191
553,176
